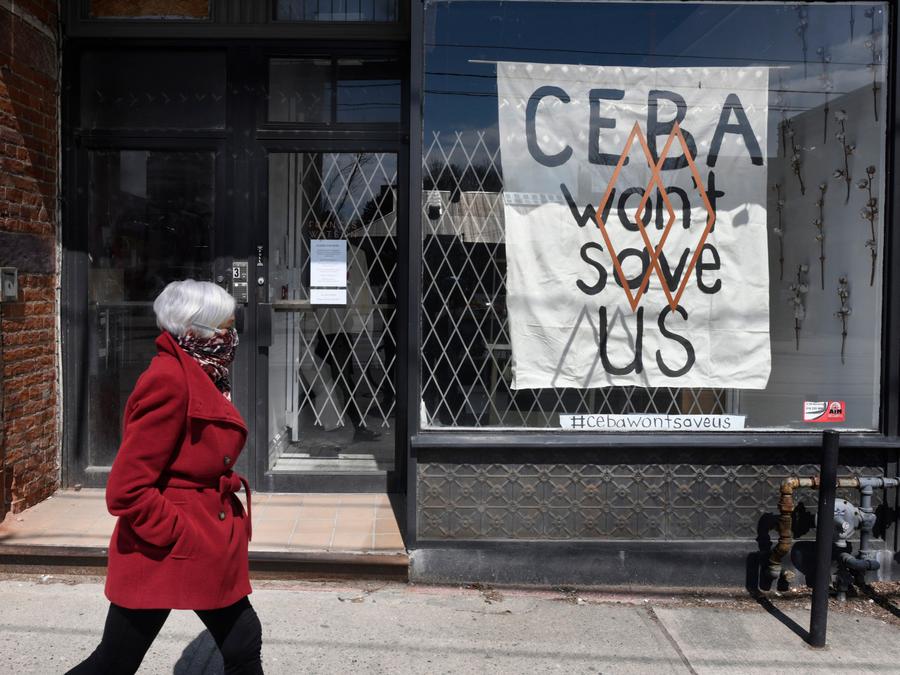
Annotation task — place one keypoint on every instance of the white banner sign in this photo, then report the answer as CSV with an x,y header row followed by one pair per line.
x,y
635,216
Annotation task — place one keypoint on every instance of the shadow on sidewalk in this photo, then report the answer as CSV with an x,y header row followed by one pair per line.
x,y
200,657
755,563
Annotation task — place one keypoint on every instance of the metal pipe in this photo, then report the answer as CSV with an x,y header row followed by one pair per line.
x,y
786,512
786,522
818,617
868,521
855,564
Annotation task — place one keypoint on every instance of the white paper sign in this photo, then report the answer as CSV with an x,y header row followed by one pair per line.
x,y
599,295
328,296
601,422
328,272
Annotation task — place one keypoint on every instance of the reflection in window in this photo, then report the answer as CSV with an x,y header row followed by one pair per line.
x,y
150,221
337,10
343,91
828,82
300,90
149,9
368,90
153,89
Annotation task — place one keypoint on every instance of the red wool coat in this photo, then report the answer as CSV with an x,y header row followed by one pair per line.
x,y
181,537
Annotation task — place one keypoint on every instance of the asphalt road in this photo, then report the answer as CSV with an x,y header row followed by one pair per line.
x,y
48,625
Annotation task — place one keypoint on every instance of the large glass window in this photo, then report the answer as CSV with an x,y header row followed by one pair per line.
x,y
153,89
310,90
149,9
150,220
586,256
336,10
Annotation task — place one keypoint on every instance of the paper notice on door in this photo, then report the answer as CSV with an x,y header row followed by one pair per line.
x,y
328,272
328,296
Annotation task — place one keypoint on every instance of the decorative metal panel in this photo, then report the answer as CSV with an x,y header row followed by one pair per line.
x,y
516,501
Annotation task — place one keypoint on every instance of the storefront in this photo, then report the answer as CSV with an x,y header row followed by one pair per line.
x,y
575,277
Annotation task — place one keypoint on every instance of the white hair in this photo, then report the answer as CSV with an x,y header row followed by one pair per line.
x,y
195,306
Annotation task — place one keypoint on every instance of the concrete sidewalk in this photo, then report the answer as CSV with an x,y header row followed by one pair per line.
x,y
48,625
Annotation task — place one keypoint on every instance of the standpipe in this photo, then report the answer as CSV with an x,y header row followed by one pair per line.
x,y
786,516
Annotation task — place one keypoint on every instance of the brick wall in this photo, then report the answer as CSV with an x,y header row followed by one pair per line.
x,y
29,122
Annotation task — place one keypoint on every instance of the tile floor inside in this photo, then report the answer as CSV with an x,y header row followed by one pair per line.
x,y
351,523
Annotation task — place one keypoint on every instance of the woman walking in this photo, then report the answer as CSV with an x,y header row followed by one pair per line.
x,y
181,537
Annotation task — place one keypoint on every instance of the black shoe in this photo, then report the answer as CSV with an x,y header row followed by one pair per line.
x,y
365,435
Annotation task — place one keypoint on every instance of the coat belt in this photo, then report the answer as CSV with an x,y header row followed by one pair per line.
x,y
229,483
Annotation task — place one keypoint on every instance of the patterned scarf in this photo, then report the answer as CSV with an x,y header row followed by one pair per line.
x,y
213,354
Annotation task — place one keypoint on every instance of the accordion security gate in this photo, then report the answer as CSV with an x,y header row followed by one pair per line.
x,y
465,334
331,367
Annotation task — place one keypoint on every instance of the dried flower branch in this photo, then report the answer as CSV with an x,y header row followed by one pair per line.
x,y
872,44
870,213
799,289
779,228
802,27
827,86
819,224
852,21
781,104
849,148
844,312
796,157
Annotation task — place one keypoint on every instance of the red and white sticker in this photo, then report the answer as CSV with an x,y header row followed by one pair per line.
x,y
824,411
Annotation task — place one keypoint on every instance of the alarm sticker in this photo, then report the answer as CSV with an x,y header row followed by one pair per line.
x,y
824,411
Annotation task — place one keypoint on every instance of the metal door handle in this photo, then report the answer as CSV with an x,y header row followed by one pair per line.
x,y
264,324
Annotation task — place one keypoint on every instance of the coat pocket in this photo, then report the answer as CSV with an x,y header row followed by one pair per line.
x,y
183,547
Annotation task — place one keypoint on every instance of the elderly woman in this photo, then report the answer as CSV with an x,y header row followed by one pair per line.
x,y
181,537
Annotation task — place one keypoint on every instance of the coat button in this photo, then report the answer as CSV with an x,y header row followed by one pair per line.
x,y
221,515
227,460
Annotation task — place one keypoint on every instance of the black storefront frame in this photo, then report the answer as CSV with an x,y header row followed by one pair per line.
x,y
499,447
246,64
232,19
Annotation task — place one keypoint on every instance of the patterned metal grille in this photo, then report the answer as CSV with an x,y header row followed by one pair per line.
x,y
332,365
465,335
597,501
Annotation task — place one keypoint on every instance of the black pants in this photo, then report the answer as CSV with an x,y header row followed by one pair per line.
x,y
128,634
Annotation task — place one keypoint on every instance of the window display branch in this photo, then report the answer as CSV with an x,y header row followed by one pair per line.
x,y
844,312
796,157
872,44
827,86
841,117
819,224
779,229
799,289
870,213
781,102
802,26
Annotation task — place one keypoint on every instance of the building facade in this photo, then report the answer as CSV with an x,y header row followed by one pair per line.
x,y
581,281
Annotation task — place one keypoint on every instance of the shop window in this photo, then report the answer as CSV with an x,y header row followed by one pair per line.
x,y
150,220
326,91
300,90
368,90
589,264
149,9
153,89
336,10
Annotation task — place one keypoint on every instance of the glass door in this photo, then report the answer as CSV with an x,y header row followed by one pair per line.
x,y
150,219
328,333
